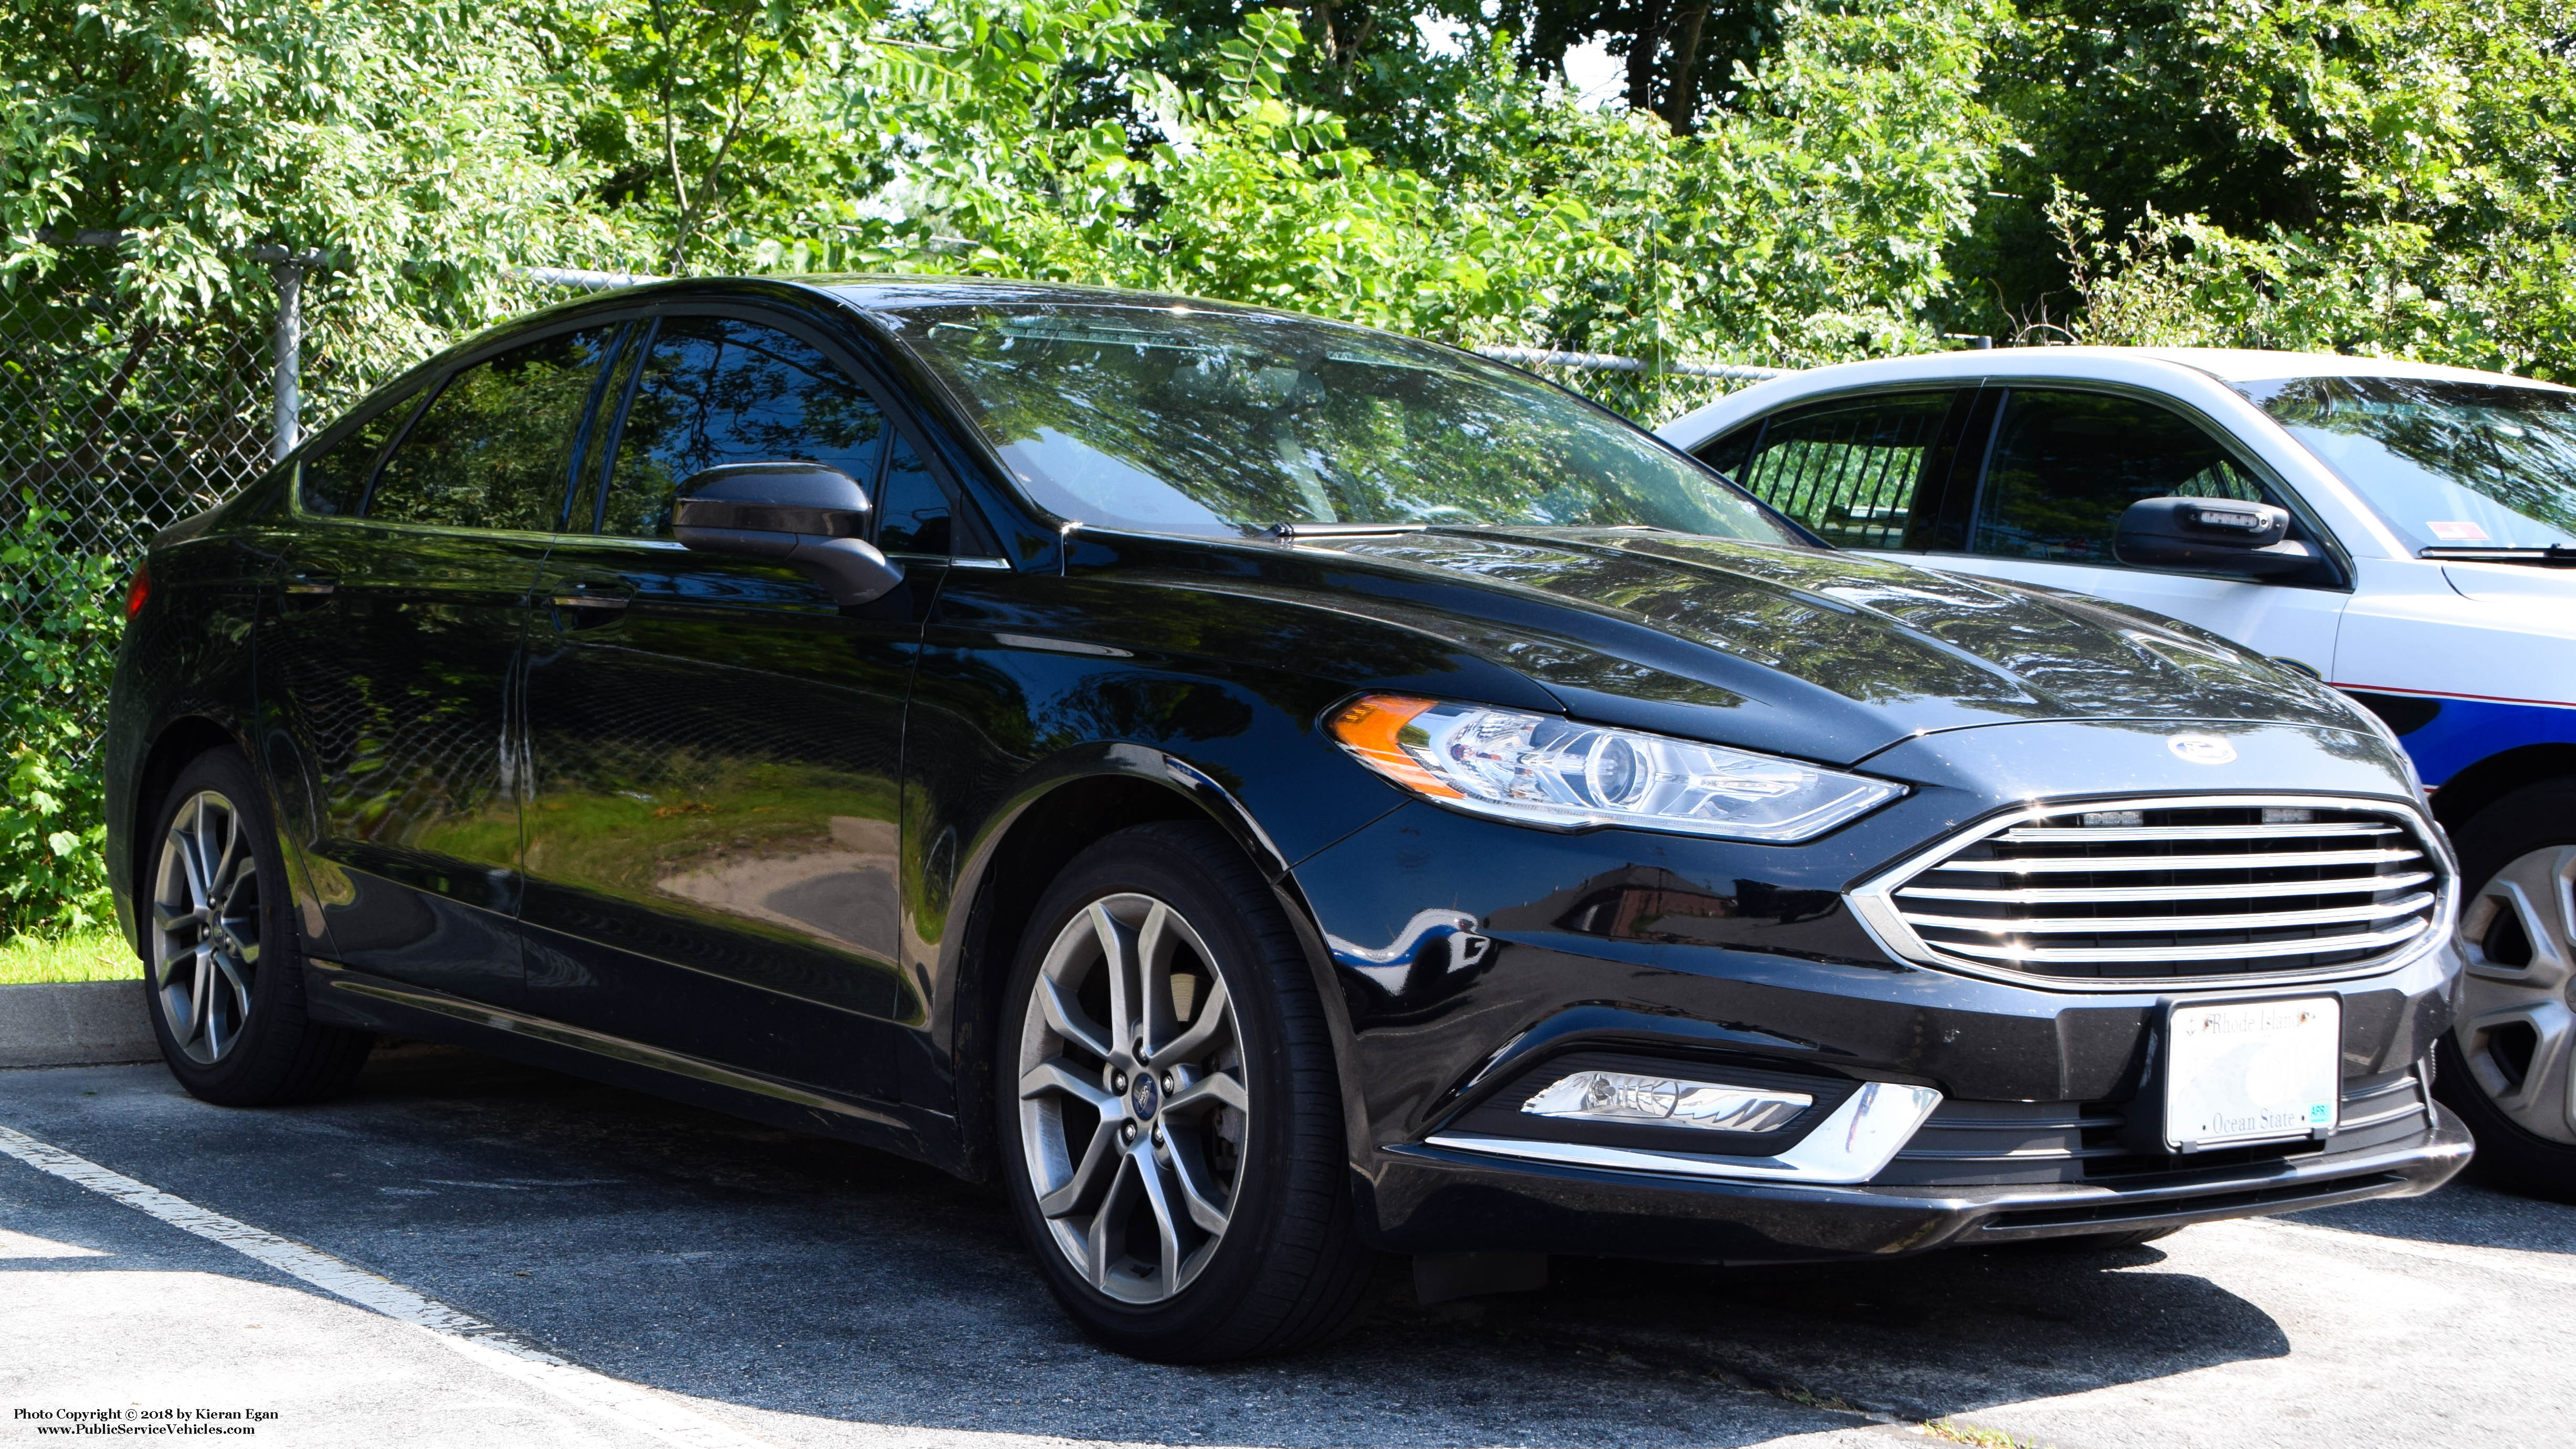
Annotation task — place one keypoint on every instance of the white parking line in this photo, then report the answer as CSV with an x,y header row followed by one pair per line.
x,y
623,1403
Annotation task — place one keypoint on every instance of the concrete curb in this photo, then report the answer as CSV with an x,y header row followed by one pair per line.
x,y
75,1024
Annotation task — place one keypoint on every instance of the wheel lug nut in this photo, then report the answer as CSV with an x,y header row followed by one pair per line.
x,y
1118,1081
1158,1136
1128,1132
1167,1081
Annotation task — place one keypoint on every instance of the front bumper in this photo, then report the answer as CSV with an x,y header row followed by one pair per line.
x,y
1473,958
1427,1199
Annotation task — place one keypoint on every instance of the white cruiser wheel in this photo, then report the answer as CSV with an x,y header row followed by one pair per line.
x,y
2516,1020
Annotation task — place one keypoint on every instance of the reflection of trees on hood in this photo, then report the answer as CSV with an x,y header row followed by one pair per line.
x,y
1866,629
2516,446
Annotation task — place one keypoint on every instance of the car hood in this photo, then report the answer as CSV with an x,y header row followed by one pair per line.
x,y
1826,655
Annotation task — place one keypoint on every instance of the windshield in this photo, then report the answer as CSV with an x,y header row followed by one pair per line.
x,y
1206,422
2448,464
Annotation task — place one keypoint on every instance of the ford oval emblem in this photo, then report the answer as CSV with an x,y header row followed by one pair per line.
x,y
2202,749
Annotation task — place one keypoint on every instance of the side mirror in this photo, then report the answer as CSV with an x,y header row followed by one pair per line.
x,y
2215,535
804,514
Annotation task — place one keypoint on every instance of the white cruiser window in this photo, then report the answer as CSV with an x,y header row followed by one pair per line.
x,y
2448,464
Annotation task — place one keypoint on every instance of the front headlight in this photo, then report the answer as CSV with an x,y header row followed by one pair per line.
x,y
1535,769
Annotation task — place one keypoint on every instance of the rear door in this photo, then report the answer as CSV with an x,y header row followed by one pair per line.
x,y
713,825
1864,472
393,651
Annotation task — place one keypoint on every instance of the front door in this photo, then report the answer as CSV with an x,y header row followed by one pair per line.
x,y
394,649
2064,465
715,745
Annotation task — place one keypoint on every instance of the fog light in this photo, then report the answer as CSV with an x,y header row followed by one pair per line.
x,y
1628,1097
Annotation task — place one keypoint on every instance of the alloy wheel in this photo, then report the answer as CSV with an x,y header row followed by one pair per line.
x,y
2517,1018
1134,1106
205,927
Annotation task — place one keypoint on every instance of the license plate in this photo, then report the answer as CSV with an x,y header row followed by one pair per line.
x,y
2252,1071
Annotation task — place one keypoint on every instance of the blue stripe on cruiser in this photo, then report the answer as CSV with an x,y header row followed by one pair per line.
x,y
2469,730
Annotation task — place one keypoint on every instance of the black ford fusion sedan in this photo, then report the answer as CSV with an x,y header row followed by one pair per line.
x,y
1264,791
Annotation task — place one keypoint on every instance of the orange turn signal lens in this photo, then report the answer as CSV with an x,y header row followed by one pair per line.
x,y
1372,727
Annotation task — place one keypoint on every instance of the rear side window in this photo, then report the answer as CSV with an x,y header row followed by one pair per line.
x,y
2066,465
494,448
719,390
334,481
1848,470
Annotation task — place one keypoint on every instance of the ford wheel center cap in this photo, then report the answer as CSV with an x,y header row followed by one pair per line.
x,y
2202,749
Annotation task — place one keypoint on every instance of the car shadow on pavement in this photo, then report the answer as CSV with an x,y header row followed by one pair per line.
x,y
784,1272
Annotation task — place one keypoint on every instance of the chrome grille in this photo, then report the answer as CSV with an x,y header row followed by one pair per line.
x,y
2170,890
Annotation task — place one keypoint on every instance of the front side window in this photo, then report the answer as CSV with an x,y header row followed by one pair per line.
x,y
912,511
719,390
1173,419
494,448
2448,464
1849,469
2066,465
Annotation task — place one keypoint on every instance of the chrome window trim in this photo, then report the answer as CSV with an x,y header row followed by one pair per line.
x,y
1873,905
1862,1136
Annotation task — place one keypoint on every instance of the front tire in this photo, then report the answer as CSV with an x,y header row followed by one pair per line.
x,y
1168,1109
223,971
2505,1065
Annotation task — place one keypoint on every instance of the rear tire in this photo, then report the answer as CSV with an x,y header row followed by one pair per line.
x,y
1174,1153
223,972
2505,1066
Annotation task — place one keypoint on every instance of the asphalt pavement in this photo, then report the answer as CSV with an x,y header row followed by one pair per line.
x,y
629,1271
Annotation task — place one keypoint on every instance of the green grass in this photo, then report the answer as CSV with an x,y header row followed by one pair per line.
x,y
89,956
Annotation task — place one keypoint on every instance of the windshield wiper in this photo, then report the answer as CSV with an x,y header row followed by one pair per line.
x,y
1293,530
2550,556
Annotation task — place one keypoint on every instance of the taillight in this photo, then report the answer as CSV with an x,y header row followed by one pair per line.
x,y
139,592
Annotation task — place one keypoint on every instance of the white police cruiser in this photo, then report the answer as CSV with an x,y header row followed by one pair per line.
x,y
2406,531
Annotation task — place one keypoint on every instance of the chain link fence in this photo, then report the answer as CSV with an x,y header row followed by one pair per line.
x,y
112,427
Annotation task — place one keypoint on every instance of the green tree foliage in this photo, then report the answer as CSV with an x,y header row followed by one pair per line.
x,y
2357,175
58,635
1807,224
420,147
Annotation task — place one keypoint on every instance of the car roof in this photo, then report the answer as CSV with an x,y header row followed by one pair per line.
x,y
2227,364
2248,364
895,294
2177,370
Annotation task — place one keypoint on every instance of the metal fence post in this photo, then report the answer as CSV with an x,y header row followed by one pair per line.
x,y
287,345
